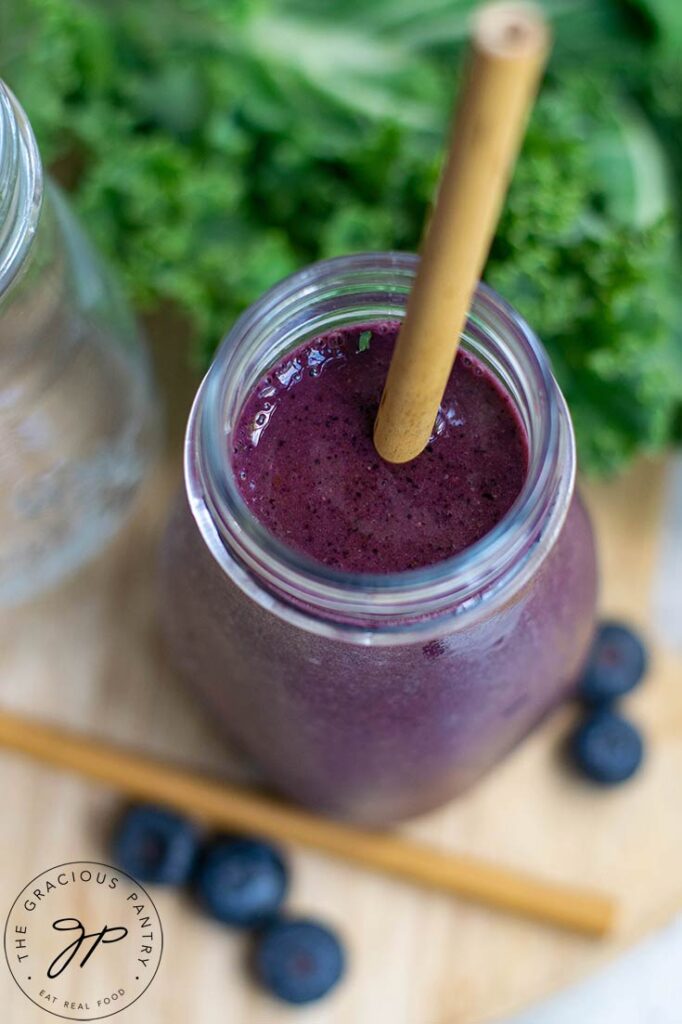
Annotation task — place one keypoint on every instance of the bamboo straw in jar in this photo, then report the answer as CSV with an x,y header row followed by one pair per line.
x,y
508,52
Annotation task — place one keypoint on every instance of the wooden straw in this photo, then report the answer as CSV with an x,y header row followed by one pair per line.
x,y
509,48
226,806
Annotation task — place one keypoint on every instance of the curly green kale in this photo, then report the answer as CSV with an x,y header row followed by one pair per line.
x,y
219,146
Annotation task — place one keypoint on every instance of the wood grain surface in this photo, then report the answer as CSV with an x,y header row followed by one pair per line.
x,y
89,656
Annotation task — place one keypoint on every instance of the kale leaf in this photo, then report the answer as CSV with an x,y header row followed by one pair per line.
x,y
215,146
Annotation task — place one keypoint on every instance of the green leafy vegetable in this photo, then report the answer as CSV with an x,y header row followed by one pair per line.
x,y
219,145
364,341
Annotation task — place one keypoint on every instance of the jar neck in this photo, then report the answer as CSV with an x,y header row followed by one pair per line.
x,y
376,608
21,188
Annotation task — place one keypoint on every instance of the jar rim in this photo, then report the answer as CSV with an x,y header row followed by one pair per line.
x,y
21,187
376,607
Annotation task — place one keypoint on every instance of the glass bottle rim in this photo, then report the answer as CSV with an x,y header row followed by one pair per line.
x,y
21,187
375,608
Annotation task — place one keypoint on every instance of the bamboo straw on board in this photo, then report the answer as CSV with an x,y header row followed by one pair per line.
x,y
223,805
509,48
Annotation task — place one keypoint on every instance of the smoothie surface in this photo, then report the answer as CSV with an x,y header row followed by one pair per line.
x,y
307,467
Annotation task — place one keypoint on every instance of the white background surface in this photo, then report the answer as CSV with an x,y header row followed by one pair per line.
x,y
643,987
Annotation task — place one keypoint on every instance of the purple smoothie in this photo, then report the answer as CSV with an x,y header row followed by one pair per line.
x,y
308,469
341,707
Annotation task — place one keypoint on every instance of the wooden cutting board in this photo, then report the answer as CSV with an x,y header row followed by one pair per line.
x,y
89,656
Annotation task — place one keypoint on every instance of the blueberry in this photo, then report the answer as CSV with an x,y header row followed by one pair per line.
x,y
298,961
616,664
154,845
607,748
241,882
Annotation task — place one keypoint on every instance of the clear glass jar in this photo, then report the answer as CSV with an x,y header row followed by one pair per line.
x,y
77,414
376,697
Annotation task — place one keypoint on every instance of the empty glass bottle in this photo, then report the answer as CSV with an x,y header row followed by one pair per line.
x,y
77,410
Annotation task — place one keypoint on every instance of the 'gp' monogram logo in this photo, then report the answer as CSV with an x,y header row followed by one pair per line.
x,y
83,940
70,924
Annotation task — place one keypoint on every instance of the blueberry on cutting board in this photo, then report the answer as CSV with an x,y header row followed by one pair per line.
x,y
607,748
616,664
298,960
155,845
241,882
